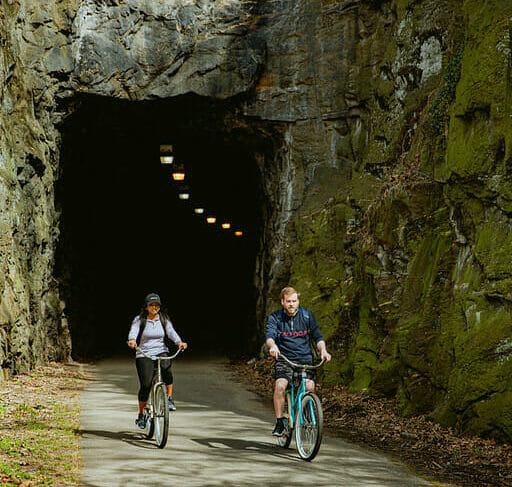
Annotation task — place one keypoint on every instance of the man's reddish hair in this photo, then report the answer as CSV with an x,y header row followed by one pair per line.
x,y
286,291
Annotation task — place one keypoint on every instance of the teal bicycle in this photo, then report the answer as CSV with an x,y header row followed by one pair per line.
x,y
303,414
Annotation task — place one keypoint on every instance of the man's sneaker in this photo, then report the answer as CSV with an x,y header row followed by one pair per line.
x,y
141,421
172,406
279,427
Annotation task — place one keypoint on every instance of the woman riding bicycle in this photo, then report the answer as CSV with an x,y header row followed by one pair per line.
x,y
148,331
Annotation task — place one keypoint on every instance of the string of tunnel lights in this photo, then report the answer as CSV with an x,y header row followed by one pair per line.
x,y
178,175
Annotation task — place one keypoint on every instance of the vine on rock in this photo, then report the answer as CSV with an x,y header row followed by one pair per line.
x,y
438,112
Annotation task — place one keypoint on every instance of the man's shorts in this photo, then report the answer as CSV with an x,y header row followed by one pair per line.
x,y
283,370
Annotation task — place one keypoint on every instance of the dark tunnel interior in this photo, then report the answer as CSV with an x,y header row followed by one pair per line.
x,y
124,232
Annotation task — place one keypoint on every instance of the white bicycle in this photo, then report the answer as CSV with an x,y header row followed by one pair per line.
x,y
157,407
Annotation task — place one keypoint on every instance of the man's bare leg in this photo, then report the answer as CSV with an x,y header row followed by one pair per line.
x,y
279,390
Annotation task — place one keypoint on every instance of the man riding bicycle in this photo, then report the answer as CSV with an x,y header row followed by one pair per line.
x,y
289,330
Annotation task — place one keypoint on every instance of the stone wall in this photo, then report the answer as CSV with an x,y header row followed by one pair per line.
x,y
387,196
408,263
32,326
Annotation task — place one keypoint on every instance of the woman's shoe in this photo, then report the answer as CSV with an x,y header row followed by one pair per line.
x,y
141,421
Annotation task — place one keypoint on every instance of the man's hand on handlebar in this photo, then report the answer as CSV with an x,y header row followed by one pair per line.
x,y
325,355
182,345
274,351
132,343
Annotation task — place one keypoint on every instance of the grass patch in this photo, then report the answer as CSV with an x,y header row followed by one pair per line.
x,y
40,430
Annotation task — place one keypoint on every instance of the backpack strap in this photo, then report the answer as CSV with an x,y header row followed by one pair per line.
x,y
306,316
162,320
142,326
307,319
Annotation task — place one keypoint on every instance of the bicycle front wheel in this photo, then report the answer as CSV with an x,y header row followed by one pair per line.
x,y
150,424
284,441
308,426
161,416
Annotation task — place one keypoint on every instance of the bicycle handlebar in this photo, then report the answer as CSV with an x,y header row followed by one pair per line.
x,y
180,349
302,366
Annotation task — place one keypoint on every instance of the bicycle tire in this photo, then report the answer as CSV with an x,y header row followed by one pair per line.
x,y
150,425
308,432
161,415
285,440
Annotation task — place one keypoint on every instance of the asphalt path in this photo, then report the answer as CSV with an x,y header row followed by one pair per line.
x,y
219,436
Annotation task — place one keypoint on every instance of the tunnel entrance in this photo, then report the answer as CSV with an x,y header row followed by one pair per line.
x,y
125,232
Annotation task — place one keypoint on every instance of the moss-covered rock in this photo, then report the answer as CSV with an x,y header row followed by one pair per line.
x,y
422,278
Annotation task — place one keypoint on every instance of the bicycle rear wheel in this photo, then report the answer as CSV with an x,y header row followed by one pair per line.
x,y
161,415
284,441
308,429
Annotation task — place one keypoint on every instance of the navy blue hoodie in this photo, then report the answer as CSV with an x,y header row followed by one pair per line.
x,y
292,333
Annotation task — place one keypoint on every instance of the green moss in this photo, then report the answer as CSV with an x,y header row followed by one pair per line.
x,y
493,248
481,381
319,270
479,119
484,75
364,353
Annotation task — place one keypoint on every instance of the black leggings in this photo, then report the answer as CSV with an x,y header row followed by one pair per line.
x,y
146,369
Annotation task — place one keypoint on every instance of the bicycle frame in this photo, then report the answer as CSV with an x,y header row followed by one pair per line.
x,y
296,396
158,374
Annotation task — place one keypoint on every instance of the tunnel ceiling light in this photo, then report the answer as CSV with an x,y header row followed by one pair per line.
x,y
211,219
226,225
166,159
166,149
178,175
166,154
239,233
198,211
184,193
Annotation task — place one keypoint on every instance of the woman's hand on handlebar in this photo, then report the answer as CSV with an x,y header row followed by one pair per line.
x,y
132,343
182,345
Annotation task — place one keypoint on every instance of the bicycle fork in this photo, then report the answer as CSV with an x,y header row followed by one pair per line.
x,y
299,407
311,413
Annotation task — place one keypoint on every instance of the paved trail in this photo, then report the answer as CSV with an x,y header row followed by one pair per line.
x,y
219,436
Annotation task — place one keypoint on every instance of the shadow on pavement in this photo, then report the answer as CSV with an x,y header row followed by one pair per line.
x,y
242,445
132,438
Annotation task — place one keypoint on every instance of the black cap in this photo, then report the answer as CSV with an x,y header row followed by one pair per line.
x,y
153,298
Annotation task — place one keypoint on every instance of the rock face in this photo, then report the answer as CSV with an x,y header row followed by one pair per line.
x,y
387,197
147,49
32,326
